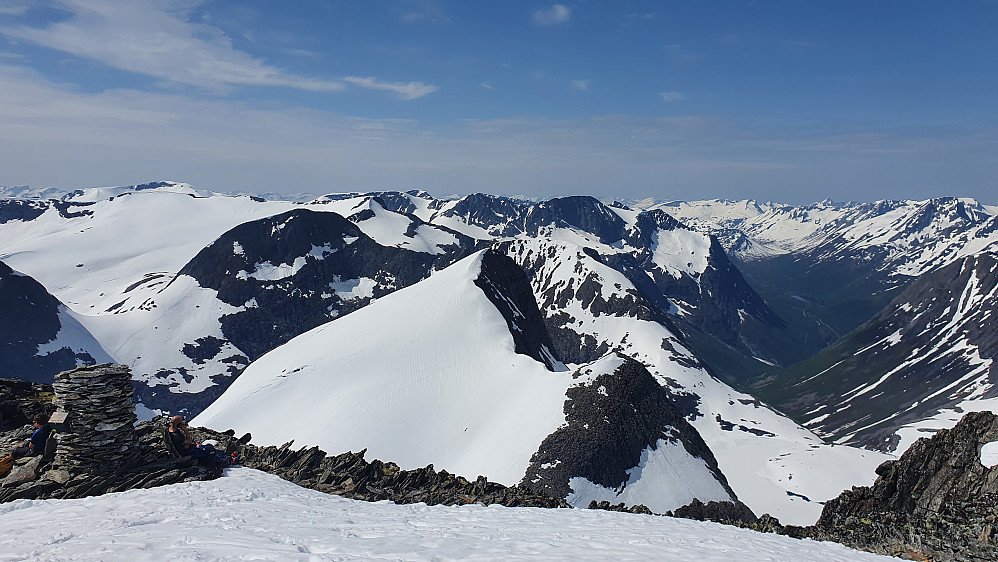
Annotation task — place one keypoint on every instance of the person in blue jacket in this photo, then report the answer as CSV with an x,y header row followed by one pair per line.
x,y
35,445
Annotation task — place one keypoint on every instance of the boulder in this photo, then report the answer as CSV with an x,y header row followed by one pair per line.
x,y
937,501
22,472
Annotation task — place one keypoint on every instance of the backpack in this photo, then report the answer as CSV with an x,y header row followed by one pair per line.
x,y
51,444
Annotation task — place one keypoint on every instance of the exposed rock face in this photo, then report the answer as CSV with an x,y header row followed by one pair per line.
x,y
351,476
30,322
20,400
612,418
937,501
735,513
314,249
101,408
508,289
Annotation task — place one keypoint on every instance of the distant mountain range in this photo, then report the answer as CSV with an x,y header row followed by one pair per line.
x,y
572,346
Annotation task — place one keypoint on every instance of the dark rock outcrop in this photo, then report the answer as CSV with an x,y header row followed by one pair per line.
x,y
20,400
936,502
734,513
30,318
508,289
350,475
610,421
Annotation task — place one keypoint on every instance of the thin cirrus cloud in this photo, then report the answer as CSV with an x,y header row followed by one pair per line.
x,y
582,85
670,97
559,13
404,90
154,39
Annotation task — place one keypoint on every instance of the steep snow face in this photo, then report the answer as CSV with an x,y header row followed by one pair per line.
x,y
74,336
426,375
251,514
926,357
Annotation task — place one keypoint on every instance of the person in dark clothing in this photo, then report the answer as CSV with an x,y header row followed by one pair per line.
x,y
180,435
35,445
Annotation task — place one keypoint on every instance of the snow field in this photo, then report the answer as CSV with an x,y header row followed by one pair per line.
x,y
251,515
423,376
174,227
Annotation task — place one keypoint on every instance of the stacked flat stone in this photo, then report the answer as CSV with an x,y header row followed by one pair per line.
x,y
100,404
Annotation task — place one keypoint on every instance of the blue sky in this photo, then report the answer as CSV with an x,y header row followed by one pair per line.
x,y
791,101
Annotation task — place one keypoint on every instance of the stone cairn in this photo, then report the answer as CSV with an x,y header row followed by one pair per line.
x,y
100,405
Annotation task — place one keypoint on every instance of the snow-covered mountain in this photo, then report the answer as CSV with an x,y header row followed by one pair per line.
x,y
189,289
828,267
914,368
185,284
431,373
40,336
456,371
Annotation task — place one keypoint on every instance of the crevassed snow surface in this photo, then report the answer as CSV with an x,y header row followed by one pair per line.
x,y
473,406
251,515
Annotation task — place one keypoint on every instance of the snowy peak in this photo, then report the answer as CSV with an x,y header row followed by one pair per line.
x,y
93,194
588,215
427,374
930,350
296,270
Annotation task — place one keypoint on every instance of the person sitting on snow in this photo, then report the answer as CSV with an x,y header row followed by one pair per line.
x,y
36,445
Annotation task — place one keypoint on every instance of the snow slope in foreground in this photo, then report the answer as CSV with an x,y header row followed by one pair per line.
x,y
440,384
252,515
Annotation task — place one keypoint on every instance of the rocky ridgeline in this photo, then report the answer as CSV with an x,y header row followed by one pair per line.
x,y
351,476
936,502
105,451
100,405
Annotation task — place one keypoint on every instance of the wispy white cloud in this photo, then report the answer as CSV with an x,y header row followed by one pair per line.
x,y
559,13
488,85
582,85
404,90
155,38
670,97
